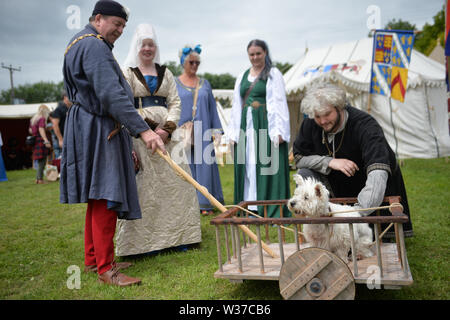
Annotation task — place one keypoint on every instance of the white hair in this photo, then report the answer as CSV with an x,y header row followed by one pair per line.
x,y
321,97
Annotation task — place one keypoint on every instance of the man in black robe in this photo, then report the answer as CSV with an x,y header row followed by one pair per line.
x,y
345,148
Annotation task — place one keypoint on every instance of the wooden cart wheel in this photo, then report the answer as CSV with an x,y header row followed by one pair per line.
x,y
315,273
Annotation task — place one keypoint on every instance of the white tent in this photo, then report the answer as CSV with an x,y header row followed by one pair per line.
x,y
417,128
15,120
224,113
23,111
224,116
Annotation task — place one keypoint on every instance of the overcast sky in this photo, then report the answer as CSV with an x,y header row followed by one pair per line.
x,y
34,34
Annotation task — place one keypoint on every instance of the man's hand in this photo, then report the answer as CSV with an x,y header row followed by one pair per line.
x,y
164,135
346,166
153,141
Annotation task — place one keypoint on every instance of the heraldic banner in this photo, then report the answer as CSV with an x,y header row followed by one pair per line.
x,y
391,56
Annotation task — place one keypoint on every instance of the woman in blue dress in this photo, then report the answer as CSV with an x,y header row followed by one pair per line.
x,y
206,125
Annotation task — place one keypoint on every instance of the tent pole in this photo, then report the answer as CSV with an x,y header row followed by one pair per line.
x,y
429,119
369,102
393,128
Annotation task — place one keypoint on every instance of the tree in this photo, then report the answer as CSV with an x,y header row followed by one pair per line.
x,y
427,39
220,81
399,25
34,93
283,67
174,67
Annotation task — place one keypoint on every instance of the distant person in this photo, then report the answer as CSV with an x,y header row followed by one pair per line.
x,y
259,129
3,176
170,211
345,148
58,119
42,145
14,155
201,159
96,164
447,71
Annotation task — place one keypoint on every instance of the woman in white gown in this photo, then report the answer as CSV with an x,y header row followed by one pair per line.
x,y
170,210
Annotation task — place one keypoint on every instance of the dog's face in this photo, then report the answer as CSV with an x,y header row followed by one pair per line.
x,y
310,197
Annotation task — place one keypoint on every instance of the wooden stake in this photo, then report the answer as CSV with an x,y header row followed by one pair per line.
x,y
211,199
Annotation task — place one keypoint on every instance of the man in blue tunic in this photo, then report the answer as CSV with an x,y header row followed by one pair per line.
x,y
97,166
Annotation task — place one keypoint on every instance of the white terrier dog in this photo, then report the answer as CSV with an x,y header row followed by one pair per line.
x,y
311,198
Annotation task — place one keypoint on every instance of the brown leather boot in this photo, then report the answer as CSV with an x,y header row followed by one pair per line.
x,y
114,277
119,266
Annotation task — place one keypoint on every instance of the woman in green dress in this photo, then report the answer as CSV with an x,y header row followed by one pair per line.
x,y
260,132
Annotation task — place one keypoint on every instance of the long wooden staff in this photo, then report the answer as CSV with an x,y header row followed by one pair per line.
x,y
211,199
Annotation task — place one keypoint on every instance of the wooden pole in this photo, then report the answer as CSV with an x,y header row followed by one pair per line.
x,y
352,245
211,199
11,70
219,252
369,102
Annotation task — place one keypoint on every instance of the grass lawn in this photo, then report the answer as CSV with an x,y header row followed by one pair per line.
x,y
41,238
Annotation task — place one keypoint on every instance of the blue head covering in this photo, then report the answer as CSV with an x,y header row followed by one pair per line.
x,y
187,51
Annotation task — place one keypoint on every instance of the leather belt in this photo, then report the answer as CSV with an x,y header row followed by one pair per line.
x,y
117,125
256,104
150,101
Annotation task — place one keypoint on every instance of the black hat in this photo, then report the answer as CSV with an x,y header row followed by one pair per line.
x,y
110,8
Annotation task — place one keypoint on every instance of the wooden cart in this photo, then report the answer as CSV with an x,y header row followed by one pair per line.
x,y
304,272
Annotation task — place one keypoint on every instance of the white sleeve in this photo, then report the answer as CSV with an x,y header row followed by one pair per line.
x,y
236,110
173,99
277,107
